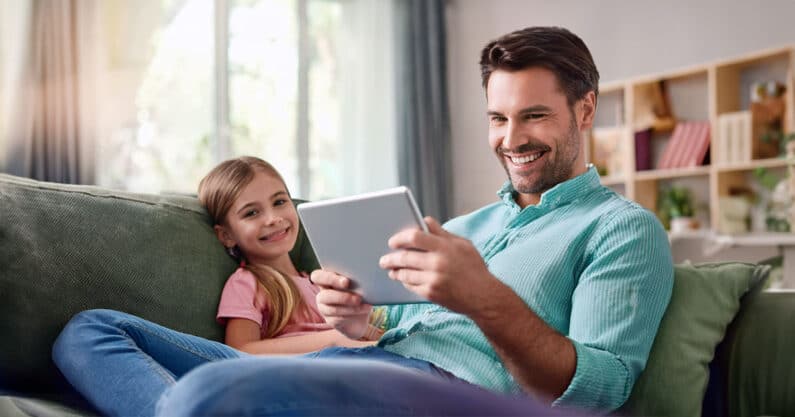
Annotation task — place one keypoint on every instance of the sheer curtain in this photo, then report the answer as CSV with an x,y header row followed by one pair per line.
x,y
367,86
14,25
46,106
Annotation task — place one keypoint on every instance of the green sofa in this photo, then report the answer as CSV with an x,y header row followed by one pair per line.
x,y
66,248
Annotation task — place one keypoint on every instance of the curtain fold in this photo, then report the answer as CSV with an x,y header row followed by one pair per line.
x,y
423,130
44,135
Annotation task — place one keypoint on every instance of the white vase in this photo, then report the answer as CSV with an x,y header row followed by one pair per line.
x,y
681,224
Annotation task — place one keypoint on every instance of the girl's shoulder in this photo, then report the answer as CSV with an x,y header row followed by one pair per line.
x,y
242,276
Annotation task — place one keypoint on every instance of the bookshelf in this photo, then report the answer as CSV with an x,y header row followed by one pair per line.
x,y
719,96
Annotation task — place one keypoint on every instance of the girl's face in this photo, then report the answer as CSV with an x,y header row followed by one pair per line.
x,y
262,222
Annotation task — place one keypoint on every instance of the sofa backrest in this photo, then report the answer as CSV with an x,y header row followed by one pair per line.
x,y
68,248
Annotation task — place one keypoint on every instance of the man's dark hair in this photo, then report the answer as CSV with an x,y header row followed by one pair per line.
x,y
553,48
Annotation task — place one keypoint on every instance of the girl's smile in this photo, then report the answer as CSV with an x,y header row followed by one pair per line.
x,y
276,236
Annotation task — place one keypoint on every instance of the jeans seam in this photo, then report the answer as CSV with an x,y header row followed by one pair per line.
x,y
176,343
153,364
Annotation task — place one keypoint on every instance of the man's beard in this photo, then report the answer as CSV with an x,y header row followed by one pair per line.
x,y
552,172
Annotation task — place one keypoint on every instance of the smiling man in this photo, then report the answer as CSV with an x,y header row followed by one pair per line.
x,y
553,294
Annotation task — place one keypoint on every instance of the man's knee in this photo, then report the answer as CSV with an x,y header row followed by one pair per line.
x,y
228,387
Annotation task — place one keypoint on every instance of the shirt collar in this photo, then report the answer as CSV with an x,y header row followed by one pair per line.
x,y
562,193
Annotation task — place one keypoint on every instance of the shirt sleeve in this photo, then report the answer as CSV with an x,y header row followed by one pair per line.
x,y
617,307
239,299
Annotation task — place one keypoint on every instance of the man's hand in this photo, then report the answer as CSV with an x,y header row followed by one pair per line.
x,y
341,307
442,267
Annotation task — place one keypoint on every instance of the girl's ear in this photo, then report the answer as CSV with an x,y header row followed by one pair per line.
x,y
224,236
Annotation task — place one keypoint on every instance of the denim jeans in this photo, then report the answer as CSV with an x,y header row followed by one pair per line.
x,y
122,364
337,382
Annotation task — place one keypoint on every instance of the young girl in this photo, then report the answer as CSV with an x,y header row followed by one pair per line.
x,y
268,306
122,364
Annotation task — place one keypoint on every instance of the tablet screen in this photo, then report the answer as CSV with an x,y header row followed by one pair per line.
x,y
350,234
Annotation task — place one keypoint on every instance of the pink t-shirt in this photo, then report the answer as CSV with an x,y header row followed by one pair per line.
x,y
242,298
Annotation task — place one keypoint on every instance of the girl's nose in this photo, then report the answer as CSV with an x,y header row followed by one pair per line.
x,y
274,220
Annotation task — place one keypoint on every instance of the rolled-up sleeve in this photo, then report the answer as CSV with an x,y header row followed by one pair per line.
x,y
617,307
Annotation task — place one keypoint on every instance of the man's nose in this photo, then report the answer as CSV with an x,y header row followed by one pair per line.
x,y
513,136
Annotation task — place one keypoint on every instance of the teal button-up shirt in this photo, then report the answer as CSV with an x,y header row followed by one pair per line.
x,y
593,265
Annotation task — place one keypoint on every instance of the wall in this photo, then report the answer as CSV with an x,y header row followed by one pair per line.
x,y
626,38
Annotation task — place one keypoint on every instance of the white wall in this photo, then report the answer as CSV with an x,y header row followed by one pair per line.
x,y
626,38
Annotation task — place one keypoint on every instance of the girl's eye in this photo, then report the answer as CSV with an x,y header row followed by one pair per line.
x,y
250,213
280,202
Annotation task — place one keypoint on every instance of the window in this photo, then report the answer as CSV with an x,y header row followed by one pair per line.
x,y
188,83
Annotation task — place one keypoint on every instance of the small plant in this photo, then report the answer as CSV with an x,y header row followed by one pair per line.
x,y
780,137
674,202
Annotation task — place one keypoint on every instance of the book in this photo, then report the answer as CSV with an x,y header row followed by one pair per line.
x,y
733,139
643,150
687,147
697,145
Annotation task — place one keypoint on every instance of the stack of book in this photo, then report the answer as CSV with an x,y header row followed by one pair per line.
x,y
734,138
687,147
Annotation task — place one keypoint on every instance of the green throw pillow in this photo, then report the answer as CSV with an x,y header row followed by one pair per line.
x,y
705,299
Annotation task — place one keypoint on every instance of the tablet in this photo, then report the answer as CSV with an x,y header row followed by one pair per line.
x,y
350,234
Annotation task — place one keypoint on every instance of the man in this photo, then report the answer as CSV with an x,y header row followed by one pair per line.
x,y
555,292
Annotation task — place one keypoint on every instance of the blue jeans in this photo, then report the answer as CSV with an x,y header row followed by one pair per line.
x,y
339,382
122,364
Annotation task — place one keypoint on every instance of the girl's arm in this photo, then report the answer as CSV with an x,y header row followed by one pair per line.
x,y
244,335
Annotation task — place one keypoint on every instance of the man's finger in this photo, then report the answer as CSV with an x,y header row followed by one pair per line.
x,y
434,227
410,278
410,259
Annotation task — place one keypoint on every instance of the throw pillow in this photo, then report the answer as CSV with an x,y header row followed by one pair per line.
x,y
705,299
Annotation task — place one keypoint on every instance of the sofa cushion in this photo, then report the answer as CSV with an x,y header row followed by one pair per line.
x,y
67,248
705,299
757,352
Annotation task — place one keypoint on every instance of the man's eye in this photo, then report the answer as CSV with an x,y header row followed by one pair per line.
x,y
535,116
497,119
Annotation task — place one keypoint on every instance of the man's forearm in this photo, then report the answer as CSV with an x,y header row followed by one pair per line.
x,y
540,359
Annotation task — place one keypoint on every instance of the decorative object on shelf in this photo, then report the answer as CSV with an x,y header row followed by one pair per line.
x,y
687,147
735,213
778,208
767,180
733,138
675,209
608,150
653,108
768,106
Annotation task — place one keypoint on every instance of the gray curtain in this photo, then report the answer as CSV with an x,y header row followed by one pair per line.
x,y
423,138
44,137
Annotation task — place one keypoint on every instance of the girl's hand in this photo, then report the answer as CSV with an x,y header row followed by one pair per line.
x,y
341,307
345,342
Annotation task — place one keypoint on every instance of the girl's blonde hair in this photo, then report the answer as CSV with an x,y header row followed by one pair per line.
x,y
217,193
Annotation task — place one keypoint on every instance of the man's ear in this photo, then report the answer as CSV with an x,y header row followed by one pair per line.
x,y
224,236
586,111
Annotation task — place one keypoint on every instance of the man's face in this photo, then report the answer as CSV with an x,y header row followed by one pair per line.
x,y
533,131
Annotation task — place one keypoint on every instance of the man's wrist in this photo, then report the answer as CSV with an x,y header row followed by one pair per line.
x,y
493,308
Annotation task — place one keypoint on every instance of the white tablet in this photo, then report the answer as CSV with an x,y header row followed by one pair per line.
x,y
350,234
